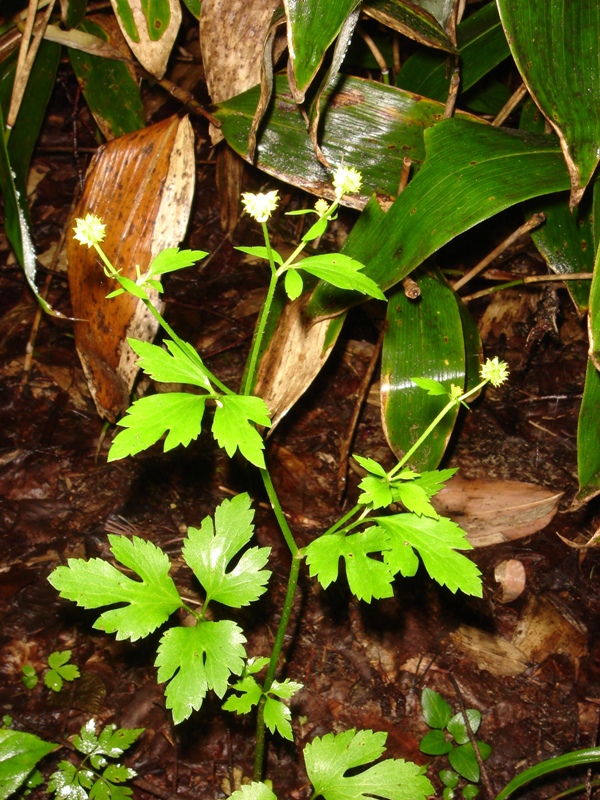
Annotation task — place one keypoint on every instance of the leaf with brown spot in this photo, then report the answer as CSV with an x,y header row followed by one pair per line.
x,y
141,186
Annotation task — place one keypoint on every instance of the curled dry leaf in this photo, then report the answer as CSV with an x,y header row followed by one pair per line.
x,y
141,186
492,512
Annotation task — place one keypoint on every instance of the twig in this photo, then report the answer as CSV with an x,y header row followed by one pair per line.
x,y
535,220
404,174
27,54
453,93
351,429
377,55
510,105
185,97
570,276
484,776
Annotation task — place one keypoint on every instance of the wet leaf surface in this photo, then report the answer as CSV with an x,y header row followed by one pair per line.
x,y
362,665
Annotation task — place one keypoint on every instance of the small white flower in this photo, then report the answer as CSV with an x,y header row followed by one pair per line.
x,y
89,231
346,180
260,206
494,371
321,207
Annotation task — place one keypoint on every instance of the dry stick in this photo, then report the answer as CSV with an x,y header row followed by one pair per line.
x,y
27,54
510,105
358,405
571,276
377,55
185,97
453,93
484,776
535,220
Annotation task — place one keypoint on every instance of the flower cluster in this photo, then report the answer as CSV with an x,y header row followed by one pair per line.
x,y
494,371
260,206
346,180
90,230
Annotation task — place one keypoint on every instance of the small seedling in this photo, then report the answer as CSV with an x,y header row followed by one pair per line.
x,y
95,777
450,736
59,671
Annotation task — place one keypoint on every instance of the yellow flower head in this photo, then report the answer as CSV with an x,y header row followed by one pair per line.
x,y
346,180
321,207
89,231
260,206
494,371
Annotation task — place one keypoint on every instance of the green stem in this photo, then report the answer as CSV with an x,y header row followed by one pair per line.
x,y
337,525
259,753
278,511
434,424
264,316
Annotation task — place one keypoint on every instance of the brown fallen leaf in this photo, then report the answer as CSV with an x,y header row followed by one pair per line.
x,y
511,576
294,358
141,186
493,512
490,652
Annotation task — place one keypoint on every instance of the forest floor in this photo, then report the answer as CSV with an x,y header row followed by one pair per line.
x,y
531,666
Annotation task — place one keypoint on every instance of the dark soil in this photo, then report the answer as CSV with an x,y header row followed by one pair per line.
x,y
362,666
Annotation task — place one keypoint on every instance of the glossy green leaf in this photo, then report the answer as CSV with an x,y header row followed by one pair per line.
x,y
194,7
588,437
458,728
565,240
19,753
367,124
482,46
109,90
472,172
555,46
72,12
312,27
436,711
435,743
428,22
464,760
424,338
594,315
577,758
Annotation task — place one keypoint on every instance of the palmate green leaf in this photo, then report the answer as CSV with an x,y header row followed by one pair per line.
x,y
414,498
175,365
367,578
19,753
209,550
371,466
431,482
151,417
96,583
376,492
233,429
250,694
437,542
329,757
173,259
278,718
254,791
197,659
341,271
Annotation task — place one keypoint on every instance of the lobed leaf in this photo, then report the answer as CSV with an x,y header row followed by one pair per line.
x,y
233,429
367,578
277,717
95,583
149,418
209,550
437,542
178,365
328,758
194,660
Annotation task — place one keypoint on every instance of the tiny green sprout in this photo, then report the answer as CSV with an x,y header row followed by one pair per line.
x,y
60,670
494,371
89,231
346,180
30,679
260,206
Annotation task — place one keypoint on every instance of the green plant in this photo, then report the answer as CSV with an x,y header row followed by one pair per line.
x,y
58,672
577,758
449,736
95,777
375,545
